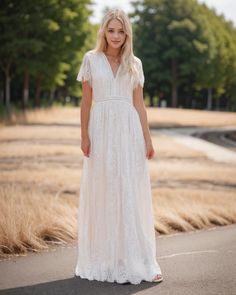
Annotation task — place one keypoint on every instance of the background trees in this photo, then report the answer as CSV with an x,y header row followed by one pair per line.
x,y
188,52
40,44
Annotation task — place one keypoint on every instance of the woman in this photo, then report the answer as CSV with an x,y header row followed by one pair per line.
x,y
116,235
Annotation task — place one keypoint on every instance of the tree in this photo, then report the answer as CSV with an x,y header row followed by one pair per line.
x,y
185,47
173,34
38,39
213,72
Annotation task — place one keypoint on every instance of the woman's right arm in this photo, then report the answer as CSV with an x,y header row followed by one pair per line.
x,y
85,107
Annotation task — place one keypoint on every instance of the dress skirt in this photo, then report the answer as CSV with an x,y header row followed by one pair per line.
x,y
116,235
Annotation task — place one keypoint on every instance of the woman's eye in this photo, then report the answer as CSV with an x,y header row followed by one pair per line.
x,y
111,31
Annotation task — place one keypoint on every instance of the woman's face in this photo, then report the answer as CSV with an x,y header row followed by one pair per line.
x,y
115,34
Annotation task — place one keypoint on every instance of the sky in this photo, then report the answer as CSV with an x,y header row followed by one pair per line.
x,y
226,7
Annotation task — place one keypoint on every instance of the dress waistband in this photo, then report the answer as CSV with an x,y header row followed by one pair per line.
x,y
125,99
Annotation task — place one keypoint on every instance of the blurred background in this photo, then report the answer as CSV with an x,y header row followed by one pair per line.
x,y
188,50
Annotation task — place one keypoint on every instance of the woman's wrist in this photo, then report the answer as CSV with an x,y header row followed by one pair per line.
x,y
84,136
147,138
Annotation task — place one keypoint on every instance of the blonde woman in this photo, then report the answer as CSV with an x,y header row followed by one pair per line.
x,y
116,235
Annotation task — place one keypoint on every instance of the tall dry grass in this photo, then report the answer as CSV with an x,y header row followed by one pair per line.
x,y
31,220
189,209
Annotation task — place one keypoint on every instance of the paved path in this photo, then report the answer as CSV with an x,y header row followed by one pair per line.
x,y
201,262
215,152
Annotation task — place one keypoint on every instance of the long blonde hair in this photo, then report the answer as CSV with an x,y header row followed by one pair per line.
x,y
127,55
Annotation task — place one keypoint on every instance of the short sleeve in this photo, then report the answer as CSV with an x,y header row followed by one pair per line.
x,y
140,75
85,70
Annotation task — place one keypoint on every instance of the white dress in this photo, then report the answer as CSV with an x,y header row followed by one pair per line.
x,y
116,235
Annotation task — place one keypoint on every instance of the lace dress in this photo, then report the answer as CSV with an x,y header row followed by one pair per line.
x,y
116,236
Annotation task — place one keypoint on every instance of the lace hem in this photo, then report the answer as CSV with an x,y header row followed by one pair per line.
x,y
119,275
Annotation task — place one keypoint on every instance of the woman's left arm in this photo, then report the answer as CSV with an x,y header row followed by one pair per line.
x,y
139,105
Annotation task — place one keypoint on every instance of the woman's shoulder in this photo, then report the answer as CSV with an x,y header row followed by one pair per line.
x,y
137,60
138,64
91,54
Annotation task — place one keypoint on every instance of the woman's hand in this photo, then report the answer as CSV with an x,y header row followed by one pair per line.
x,y
85,146
149,150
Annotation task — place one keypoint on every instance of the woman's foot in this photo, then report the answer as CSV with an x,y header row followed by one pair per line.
x,y
158,278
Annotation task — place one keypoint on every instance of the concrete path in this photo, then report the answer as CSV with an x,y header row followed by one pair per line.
x,y
201,262
213,151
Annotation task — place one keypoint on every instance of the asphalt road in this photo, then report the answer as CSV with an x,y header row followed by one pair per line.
x,y
200,262
220,137
213,142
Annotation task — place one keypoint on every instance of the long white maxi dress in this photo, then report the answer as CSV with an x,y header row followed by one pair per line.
x,y
116,235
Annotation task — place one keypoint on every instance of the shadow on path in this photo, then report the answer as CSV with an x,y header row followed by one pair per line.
x,y
79,286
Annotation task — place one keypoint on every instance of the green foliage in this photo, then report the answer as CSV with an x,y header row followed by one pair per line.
x,y
42,38
74,87
186,49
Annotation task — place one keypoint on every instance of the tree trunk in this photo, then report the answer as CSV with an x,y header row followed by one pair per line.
x,y
151,101
7,88
25,99
38,90
52,96
209,98
174,88
1,97
5,66
217,103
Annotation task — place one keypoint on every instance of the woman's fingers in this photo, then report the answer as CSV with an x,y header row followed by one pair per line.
x,y
149,154
88,151
85,146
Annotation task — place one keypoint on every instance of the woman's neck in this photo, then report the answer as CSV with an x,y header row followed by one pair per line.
x,y
113,51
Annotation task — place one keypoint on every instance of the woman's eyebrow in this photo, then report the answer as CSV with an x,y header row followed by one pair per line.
x,y
110,28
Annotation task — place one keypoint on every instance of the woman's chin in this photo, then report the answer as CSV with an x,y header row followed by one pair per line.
x,y
115,45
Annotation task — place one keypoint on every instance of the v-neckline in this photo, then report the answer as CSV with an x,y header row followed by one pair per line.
x,y
110,68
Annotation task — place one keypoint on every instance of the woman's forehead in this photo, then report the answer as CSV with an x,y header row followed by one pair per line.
x,y
115,24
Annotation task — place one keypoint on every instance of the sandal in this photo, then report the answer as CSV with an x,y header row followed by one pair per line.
x,y
158,278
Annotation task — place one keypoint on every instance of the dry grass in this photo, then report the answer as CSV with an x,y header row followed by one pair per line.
x,y
39,219
192,170
156,117
55,114
32,220
9,150
40,132
197,118
188,209
40,170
